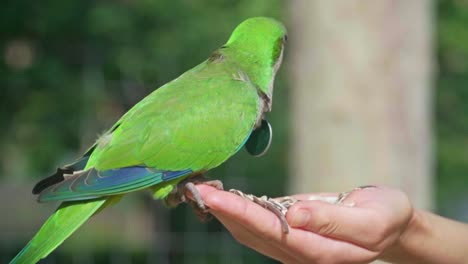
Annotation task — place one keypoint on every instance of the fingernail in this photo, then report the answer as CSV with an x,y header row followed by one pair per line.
x,y
300,218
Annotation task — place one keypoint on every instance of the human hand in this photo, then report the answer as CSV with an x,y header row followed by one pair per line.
x,y
369,222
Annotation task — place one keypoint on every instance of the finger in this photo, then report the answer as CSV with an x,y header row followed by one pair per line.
x,y
325,197
314,196
360,226
328,196
248,238
247,213
221,206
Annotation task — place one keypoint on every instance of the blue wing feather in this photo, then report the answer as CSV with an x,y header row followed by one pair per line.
x,y
90,184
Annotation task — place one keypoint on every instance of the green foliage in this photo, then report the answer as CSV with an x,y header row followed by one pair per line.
x,y
452,107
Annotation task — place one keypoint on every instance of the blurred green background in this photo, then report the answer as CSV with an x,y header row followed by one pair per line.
x,y
70,69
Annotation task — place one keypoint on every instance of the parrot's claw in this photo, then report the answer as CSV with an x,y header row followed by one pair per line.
x,y
197,203
277,206
187,187
214,183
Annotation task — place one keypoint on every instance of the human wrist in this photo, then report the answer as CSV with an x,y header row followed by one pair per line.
x,y
430,238
407,248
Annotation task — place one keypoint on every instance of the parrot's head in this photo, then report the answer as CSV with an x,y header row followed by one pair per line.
x,y
261,40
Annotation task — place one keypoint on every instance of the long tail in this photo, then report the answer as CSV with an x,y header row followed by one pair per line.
x,y
60,225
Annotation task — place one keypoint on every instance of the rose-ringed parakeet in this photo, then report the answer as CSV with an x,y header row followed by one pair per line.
x,y
181,130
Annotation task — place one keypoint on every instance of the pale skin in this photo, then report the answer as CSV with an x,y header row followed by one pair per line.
x,y
370,224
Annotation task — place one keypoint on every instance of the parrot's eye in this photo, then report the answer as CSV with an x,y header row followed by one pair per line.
x,y
285,38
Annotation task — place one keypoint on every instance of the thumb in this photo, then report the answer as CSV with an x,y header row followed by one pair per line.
x,y
331,220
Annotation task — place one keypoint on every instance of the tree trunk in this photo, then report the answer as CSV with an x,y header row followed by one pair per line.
x,y
361,96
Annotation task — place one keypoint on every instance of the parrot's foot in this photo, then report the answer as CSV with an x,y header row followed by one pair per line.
x,y
343,195
187,187
277,206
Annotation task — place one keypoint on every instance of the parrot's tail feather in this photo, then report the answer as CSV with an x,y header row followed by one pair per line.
x,y
60,225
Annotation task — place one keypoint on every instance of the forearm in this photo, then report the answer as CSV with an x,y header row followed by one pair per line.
x,y
430,238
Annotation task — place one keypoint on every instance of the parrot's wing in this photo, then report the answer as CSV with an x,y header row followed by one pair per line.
x,y
91,183
58,177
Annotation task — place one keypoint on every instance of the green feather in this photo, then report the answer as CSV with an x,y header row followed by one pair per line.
x,y
60,225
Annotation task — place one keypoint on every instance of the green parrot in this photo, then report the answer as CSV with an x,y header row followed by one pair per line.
x,y
167,140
